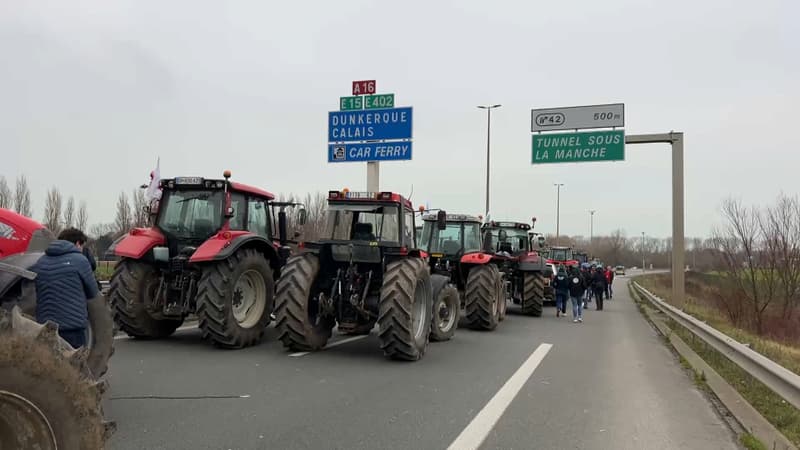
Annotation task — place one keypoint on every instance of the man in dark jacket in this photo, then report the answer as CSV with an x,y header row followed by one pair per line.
x,y
561,286
599,286
64,284
576,288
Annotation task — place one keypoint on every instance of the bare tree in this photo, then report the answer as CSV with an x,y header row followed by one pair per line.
x,y
22,197
6,198
781,226
748,268
124,217
140,214
69,213
82,220
52,210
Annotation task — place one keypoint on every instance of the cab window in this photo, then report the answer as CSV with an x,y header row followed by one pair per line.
x,y
257,220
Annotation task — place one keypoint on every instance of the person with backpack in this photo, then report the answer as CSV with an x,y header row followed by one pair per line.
x,y
561,286
576,289
599,286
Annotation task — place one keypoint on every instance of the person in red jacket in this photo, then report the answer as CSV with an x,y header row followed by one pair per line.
x,y
610,280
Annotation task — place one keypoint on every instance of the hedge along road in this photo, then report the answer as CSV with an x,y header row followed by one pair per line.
x,y
532,383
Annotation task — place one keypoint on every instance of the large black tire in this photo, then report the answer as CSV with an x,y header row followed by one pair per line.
x,y
482,299
224,286
300,328
446,309
501,295
406,305
101,342
48,398
101,331
532,294
131,292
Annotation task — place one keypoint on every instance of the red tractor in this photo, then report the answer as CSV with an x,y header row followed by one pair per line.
x,y
525,271
211,252
562,257
364,270
464,276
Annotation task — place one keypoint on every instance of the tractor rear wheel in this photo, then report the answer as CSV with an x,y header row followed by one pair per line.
x,y
48,398
482,299
503,301
404,315
132,292
532,294
235,298
446,309
300,325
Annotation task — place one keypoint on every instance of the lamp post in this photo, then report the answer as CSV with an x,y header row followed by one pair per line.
x,y
488,109
558,209
642,251
591,226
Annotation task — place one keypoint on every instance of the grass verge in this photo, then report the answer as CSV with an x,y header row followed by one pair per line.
x,y
751,442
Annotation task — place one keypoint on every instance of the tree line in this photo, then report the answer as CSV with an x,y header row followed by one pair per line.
x,y
58,213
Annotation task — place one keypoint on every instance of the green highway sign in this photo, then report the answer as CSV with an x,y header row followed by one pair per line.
x,y
586,146
380,101
350,103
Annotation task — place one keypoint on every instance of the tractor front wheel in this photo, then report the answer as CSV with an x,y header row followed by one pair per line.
x,y
132,292
482,297
404,315
446,309
299,319
532,294
235,298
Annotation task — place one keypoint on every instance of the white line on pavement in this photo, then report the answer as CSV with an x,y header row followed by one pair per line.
x,y
183,328
333,344
481,425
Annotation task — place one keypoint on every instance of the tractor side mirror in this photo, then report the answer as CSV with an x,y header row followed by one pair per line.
x,y
302,216
540,241
441,220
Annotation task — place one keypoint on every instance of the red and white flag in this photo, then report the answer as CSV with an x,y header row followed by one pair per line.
x,y
154,189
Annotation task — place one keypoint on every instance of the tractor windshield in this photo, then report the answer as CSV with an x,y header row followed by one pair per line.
x,y
191,213
511,240
363,223
560,254
455,237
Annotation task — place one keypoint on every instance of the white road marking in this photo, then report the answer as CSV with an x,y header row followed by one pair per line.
x,y
333,344
481,425
183,328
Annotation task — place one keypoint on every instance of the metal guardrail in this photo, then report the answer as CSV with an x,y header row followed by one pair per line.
x,y
780,380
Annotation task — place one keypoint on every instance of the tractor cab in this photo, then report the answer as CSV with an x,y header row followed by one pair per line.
x,y
562,257
506,238
448,237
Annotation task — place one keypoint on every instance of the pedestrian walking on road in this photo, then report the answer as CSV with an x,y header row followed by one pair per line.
x,y
609,282
576,289
64,283
599,286
561,286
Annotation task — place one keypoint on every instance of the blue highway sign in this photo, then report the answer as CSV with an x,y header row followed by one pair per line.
x,y
369,125
372,151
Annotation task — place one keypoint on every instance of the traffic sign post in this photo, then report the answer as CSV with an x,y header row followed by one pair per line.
x,y
578,147
369,128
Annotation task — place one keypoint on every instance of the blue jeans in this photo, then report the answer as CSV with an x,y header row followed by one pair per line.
x,y
561,302
577,308
75,338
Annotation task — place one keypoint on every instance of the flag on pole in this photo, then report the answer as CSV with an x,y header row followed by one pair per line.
x,y
153,189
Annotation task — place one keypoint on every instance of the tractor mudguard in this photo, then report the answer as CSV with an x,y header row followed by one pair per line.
x,y
476,258
225,243
531,262
138,242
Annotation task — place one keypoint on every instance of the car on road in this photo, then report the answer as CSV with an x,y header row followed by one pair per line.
x,y
619,270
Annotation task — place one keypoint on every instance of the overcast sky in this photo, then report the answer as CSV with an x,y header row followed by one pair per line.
x,y
92,92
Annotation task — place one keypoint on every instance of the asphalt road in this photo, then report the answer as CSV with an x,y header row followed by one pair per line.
x,y
542,383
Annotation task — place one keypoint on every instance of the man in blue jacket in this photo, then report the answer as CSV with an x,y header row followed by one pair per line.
x,y
64,284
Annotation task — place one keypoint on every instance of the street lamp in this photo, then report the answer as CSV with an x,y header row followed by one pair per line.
x,y
558,209
488,109
591,226
642,251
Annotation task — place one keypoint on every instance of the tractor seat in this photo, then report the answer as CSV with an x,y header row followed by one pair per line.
x,y
363,232
504,247
450,247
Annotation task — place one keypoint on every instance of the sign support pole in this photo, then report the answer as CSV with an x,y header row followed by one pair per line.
x,y
373,176
678,238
